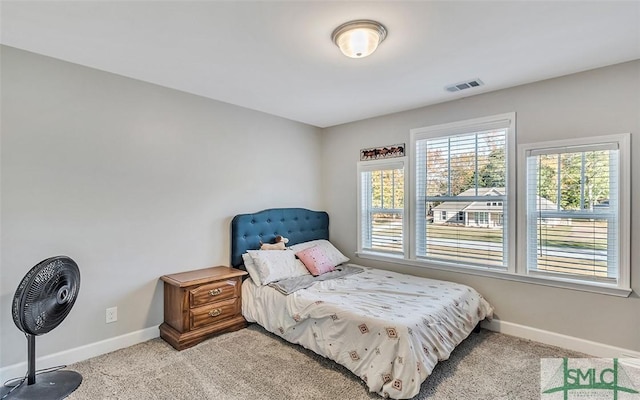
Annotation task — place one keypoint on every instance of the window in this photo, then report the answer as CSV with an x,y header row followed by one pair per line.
x,y
444,216
575,222
382,204
482,218
457,166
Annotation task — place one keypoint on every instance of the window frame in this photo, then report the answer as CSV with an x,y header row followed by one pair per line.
x,y
623,286
377,165
498,121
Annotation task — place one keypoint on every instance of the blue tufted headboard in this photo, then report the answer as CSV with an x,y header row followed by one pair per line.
x,y
296,224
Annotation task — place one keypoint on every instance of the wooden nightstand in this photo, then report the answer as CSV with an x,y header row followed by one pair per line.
x,y
200,304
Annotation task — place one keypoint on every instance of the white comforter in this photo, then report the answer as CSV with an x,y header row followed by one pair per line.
x,y
389,329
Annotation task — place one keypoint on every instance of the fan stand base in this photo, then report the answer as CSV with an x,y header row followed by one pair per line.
x,y
54,385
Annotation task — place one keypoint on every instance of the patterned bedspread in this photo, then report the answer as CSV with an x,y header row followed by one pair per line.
x,y
388,328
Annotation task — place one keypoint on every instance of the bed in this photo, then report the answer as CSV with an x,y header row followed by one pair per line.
x,y
387,328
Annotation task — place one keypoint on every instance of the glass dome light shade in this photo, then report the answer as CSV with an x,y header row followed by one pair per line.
x,y
358,39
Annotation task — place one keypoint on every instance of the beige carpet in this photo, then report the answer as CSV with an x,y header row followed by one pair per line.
x,y
254,364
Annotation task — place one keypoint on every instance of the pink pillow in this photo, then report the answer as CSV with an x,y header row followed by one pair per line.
x,y
315,260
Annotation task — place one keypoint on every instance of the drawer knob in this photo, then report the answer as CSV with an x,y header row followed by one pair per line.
x,y
215,292
215,312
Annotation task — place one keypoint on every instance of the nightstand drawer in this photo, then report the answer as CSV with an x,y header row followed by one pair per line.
x,y
213,313
212,292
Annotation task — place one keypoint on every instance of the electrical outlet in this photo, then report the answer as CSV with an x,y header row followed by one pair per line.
x,y
112,315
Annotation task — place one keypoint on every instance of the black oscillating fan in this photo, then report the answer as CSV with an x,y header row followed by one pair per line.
x,y
43,299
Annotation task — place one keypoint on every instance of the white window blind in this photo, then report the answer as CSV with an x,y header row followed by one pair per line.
x,y
462,194
382,203
573,212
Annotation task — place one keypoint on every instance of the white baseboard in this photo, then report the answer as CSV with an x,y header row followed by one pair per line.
x,y
108,345
81,353
557,339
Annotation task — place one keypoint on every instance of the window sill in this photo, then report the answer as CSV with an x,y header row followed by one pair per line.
x,y
545,281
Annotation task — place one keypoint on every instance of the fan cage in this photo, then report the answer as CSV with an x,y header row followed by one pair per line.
x,y
46,295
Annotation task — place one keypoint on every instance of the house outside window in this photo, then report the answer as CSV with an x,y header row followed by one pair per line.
x,y
477,212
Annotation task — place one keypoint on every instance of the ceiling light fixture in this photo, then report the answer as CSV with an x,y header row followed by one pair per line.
x,y
359,38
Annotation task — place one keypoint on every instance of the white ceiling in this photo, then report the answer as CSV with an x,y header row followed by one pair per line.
x,y
278,57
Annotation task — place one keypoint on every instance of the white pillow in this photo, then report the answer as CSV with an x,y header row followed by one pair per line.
x,y
251,269
274,265
327,248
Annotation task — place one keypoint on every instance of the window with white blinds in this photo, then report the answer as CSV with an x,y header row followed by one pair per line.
x,y
382,207
462,192
573,211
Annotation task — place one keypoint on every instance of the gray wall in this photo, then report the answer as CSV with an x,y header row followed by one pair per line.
x,y
597,102
133,181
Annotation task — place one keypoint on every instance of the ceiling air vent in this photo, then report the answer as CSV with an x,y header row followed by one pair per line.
x,y
464,85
